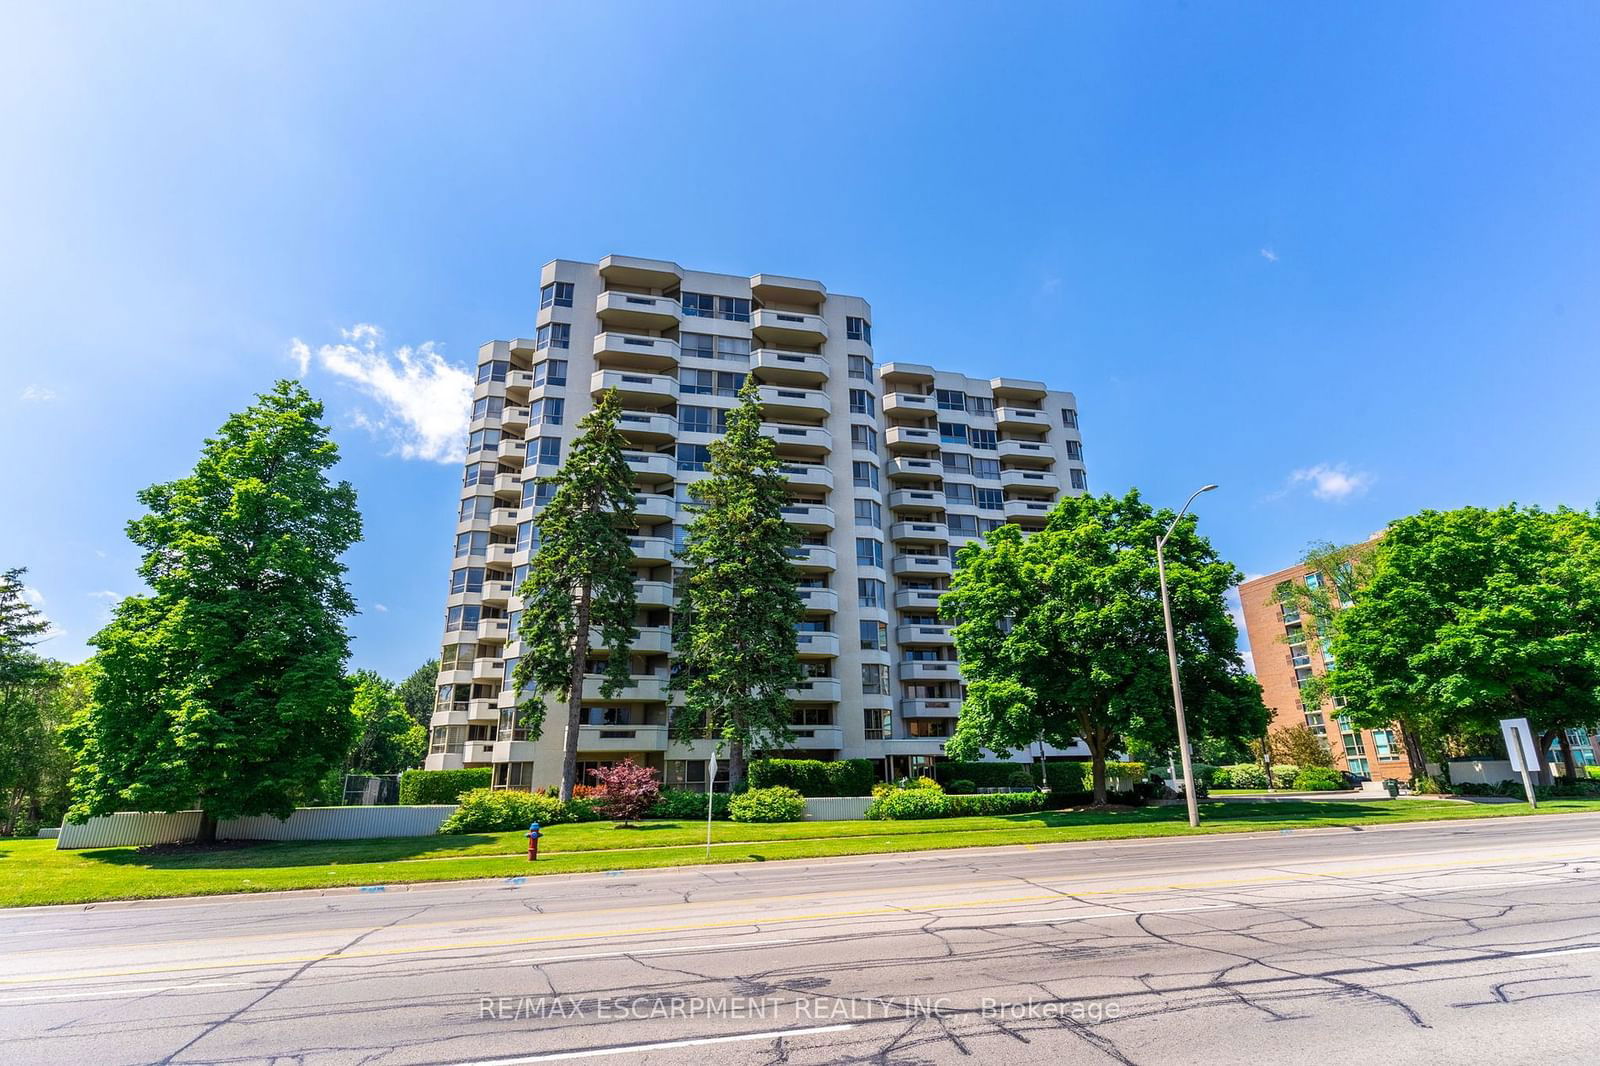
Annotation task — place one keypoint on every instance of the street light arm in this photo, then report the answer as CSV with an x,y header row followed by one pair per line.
x,y
1162,542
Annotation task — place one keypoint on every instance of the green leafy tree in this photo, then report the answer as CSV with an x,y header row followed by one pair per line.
x,y
31,696
387,738
739,600
1300,745
580,579
418,692
224,688
1471,616
1061,637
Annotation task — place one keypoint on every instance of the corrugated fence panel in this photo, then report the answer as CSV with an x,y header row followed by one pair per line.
x,y
1491,771
340,823
129,829
132,829
836,808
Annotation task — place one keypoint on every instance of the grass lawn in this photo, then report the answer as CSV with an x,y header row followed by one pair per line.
x,y
33,872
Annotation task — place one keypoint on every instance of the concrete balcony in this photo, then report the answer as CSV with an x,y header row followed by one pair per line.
x,y
635,273
500,556
646,390
814,557
498,593
929,670
1019,388
620,738
653,508
651,640
514,418
787,402
920,532
808,475
646,688
1021,419
921,566
518,382
924,636
916,500
1035,453
647,427
512,450
630,351
806,440
630,310
926,599
779,288
652,467
487,669
652,551
825,601
483,710
911,439
816,738
1035,509
817,690
1033,480
504,519
907,468
809,516
654,593
944,708
897,372
508,485
494,630
784,367
908,405
817,645
788,327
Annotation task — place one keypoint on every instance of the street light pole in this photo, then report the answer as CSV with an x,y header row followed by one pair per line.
x,y
1172,660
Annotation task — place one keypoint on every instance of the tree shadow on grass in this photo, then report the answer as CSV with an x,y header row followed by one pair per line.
x,y
1344,811
269,854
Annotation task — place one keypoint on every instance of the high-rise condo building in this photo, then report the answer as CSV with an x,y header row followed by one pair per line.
x,y
891,468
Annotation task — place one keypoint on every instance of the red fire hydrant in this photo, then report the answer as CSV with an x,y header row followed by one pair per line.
x,y
533,841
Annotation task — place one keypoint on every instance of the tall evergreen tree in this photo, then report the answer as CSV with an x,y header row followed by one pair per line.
x,y
1061,636
581,578
419,691
224,687
739,600
29,693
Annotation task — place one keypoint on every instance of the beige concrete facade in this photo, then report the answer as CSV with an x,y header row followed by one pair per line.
x,y
891,469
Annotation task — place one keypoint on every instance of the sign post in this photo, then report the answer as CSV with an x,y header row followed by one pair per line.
x,y
1522,750
711,792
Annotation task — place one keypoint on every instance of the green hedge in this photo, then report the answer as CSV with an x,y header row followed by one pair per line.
x,y
814,777
485,810
908,803
441,786
1319,779
1070,777
682,804
778,803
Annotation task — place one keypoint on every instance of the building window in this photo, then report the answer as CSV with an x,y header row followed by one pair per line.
x,y
462,619
709,382
1383,743
980,405
874,636
548,452
958,493
693,419
550,372
704,305
982,439
864,438
869,514
860,367
735,348
494,370
693,456
962,525
861,402
990,500
488,407
987,469
857,329
956,462
874,679
547,412
864,475
556,294
877,723
1075,451
697,344
467,579
475,543
476,508
951,399
952,433
1069,418
483,440
869,552
870,592
1079,481
553,335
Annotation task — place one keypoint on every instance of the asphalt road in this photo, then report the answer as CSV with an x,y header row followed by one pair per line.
x,y
1463,942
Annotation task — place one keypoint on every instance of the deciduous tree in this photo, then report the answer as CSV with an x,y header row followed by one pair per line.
x,y
581,578
630,789
223,689
418,692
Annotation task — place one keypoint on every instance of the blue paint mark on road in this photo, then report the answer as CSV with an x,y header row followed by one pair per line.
x,y
373,888
516,880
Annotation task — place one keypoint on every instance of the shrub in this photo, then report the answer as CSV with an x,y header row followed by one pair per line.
x,y
900,803
1592,771
992,803
1285,775
1021,778
814,777
441,786
630,789
1318,779
981,774
776,804
682,804
1203,773
1239,775
1428,785
961,785
485,810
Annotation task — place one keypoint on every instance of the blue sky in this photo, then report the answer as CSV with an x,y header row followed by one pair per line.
x,y
1341,260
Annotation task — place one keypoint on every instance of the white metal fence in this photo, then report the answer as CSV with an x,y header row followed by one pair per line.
x,y
134,828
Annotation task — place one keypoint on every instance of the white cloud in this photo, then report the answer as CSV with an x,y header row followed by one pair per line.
x,y
37,394
1236,609
1269,255
33,595
1333,483
381,608
105,594
423,400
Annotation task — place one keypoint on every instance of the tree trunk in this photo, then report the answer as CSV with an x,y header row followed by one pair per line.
x,y
735,765
1097,761
1568,763
580,652
207,833
1415,758
1543,769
